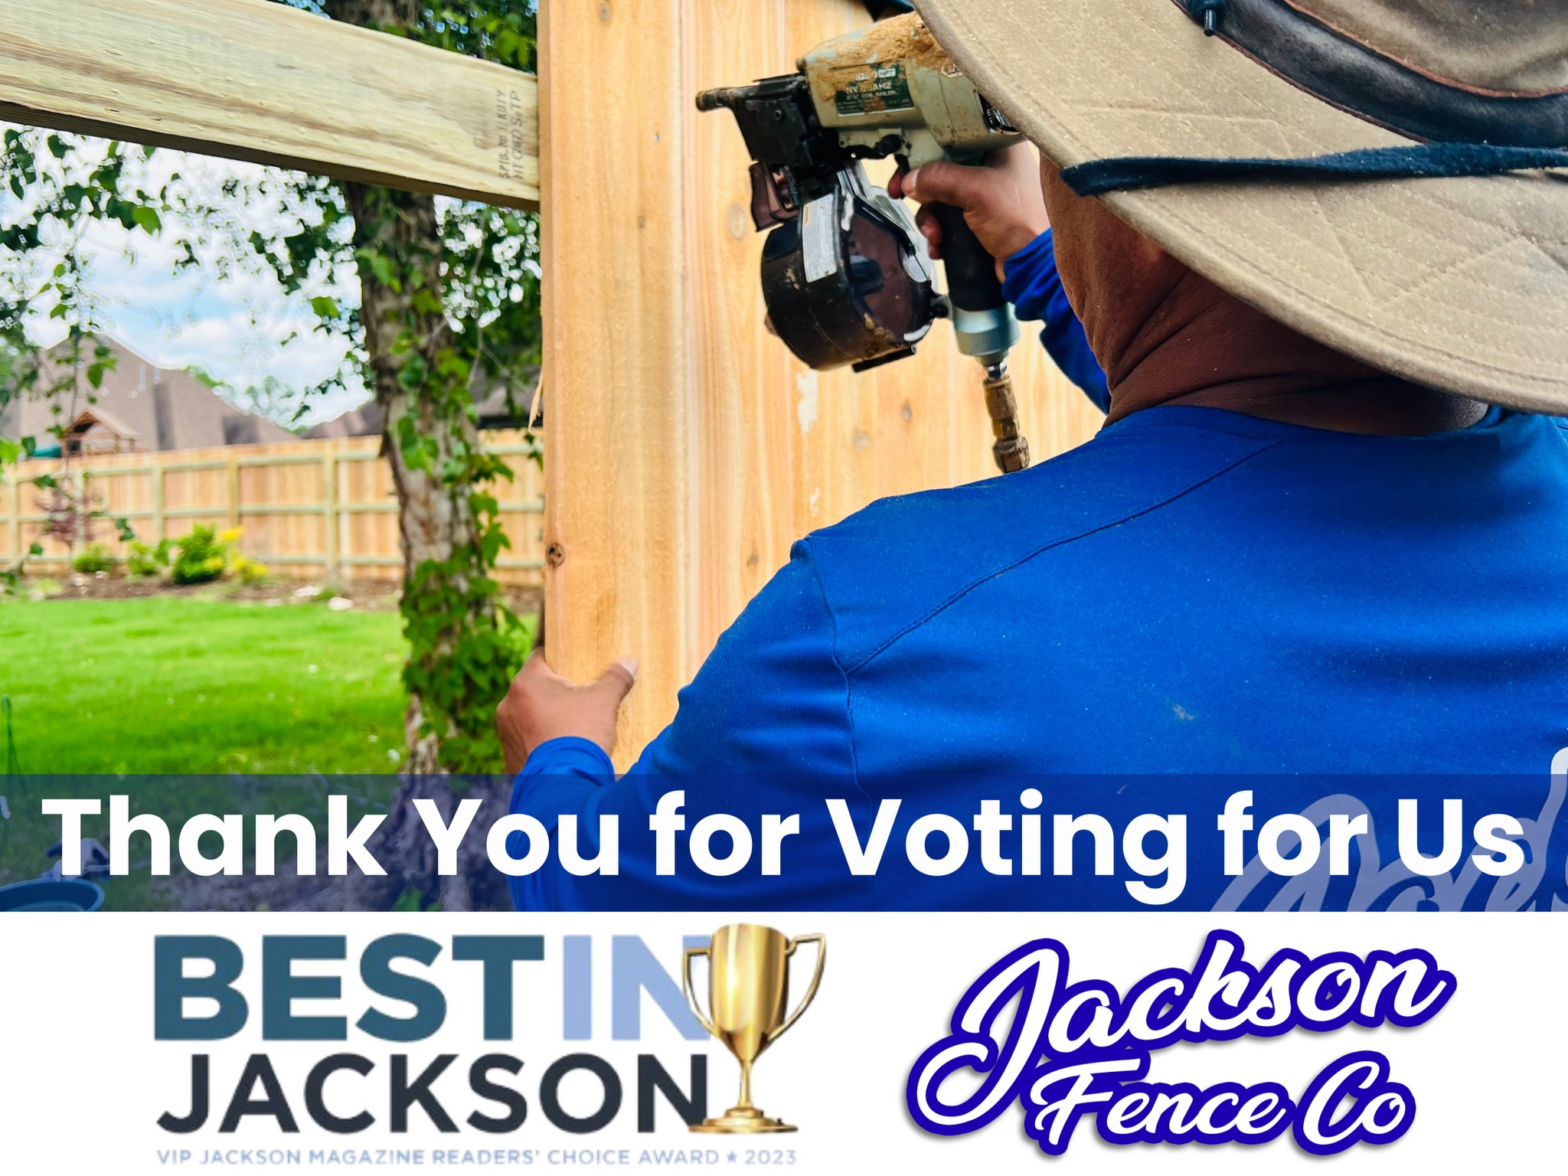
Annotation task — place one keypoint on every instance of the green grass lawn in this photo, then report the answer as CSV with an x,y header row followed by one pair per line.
x,y
246,705
186,684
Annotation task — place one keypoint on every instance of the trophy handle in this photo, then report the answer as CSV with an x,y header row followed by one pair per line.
x,y
691,994
816,979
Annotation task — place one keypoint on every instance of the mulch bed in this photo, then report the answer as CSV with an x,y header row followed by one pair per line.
x,y
369,595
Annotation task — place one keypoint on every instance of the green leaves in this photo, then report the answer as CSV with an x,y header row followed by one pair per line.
x,y
495,30
412,373
20,238
380,266
63,184
461,686
418,451
492,542
147,219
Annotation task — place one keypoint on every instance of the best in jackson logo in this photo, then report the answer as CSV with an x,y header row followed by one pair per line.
x,y
410,983
200,984
1083,1048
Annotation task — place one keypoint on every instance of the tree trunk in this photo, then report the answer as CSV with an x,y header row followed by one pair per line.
x,y
374,14
400,329
399,245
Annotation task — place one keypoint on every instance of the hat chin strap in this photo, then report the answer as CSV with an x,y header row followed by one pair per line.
x,y
1425,161
1382,89
1468,132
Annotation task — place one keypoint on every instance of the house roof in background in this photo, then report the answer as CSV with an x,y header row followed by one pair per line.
x,y
98,415
161,408
364,421
367,419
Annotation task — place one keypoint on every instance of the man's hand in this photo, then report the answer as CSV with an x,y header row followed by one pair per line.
x,y
1002,201
541,705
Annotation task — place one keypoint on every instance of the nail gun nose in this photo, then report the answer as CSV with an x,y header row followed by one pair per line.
x,y
724,98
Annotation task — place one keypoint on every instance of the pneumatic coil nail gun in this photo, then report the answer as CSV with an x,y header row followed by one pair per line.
x,y
845,273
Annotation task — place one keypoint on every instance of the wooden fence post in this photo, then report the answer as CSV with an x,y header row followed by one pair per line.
x,y
233,489
158,529
329,512
616,343
15,479
79,534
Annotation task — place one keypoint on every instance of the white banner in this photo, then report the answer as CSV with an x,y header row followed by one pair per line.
x,y
105,1019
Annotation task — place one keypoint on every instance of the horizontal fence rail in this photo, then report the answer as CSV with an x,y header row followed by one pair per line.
x,y
307,509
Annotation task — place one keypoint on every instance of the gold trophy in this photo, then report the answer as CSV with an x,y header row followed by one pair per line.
x,y
748,992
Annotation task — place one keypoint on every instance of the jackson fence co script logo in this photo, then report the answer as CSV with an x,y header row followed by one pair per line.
x,y
1084,1049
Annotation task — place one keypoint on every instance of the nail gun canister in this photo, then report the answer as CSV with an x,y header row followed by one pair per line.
x,y
843,284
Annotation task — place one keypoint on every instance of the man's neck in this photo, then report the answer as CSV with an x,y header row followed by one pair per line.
x,y
1202,347
1383,408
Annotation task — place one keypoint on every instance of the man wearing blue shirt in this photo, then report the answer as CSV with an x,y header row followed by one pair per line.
x,y
1278,557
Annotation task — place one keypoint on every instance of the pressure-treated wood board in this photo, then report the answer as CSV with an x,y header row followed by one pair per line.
x,y
617,344
688,449
262,82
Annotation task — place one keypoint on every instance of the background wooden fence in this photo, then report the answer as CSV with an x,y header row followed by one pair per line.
x,y
309,509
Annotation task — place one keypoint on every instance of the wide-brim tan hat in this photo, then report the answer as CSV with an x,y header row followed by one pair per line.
x,y
1456,283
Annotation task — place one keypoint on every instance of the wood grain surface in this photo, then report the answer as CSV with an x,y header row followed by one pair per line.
x,y
262,82
687,448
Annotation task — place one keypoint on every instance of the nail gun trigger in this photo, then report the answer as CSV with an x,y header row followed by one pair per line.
x,y
770,206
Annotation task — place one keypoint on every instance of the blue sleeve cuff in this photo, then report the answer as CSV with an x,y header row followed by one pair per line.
x,y
570,755
567,775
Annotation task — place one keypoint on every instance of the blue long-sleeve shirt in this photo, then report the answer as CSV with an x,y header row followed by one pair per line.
x,y
1193,592
1035,289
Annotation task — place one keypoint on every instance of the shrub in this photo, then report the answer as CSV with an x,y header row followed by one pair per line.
x,y
202,557
249,571
142,560
95,557
206,555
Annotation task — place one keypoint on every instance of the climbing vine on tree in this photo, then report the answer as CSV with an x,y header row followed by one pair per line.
x,y
448,306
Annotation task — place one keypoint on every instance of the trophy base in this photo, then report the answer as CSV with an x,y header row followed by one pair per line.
x,y
741,1121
